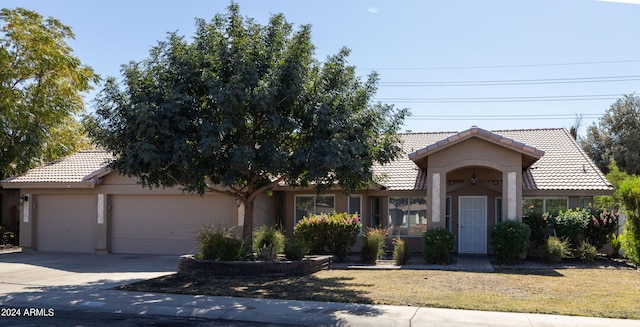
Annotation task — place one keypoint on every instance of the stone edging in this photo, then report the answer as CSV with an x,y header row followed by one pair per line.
x,y
188,264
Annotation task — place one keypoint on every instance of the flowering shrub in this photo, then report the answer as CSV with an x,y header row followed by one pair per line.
x,y
510,240
600,227
438,246
334,233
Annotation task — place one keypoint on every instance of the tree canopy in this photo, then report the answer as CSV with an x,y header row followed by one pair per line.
x,y
616,136
41,85
241,108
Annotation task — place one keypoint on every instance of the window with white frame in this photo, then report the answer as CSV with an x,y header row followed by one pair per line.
x,y
355,205
407,216
552,205
309,205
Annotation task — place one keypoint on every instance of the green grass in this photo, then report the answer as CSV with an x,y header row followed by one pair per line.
x,y
613,293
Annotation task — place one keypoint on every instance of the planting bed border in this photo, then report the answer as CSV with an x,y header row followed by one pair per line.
x,y
188,264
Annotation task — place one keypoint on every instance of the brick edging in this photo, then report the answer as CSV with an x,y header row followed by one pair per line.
x,y
188,264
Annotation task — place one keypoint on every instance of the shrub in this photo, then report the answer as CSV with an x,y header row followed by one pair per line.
x,y
217,244
586,252
270,237
438,246
570,223
295,248
373,247
401,252
538,223
335,233
266,253
629,191
601,225
616,243
556,249
631,238
510,240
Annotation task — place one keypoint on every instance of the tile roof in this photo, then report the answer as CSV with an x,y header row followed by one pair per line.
x,y
563,166
80,167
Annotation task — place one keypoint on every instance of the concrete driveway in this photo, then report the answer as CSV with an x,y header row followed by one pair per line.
x,y
41,271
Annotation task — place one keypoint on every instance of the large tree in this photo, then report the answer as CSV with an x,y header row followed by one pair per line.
x,y
242,108
41,85
615,137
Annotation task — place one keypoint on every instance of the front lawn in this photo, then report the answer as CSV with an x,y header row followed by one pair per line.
x,y
613,293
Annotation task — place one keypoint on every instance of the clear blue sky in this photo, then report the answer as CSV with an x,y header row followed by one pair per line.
x,y
495,64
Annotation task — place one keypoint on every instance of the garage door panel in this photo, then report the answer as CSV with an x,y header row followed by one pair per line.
x,y
165,224
65,223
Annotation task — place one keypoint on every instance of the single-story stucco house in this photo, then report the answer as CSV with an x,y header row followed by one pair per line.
x,y
466,182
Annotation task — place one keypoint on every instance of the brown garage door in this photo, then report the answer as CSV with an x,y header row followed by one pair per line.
x,y
165,224
65,223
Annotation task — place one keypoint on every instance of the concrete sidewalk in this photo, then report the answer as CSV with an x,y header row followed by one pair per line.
x,y
81,282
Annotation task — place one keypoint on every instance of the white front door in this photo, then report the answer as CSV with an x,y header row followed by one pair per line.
x,y
472,224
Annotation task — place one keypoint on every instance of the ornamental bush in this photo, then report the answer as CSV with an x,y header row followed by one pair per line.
x,y
269,237
219,244
373,246
334,233
556,249
568,224
401,252
629,191
601,225
438,246
295,248
586,252
510,240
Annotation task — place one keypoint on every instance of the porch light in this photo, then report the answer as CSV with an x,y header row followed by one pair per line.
x,y
474,179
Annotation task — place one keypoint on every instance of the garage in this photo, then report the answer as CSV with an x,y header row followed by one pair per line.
x,y
165,224
65,223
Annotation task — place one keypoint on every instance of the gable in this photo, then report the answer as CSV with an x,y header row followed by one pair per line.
x,y
529,154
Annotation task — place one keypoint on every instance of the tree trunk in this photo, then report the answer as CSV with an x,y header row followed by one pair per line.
x,y
247,230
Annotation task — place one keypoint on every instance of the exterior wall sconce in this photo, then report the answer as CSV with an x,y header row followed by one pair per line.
x,y
474,178
24,198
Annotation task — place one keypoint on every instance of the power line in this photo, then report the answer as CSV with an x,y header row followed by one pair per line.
x,y
570,80
505,99
507,66
502,117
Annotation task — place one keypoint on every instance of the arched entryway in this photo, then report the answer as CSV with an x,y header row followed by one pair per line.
x,y
475,194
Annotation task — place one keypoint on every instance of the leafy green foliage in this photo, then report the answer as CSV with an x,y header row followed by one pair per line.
x,y
438,246
510,240
373,246
215,244
41,86
401,251
556,249
616,241
334,233
538,223
245,107
615,137
295,248
629,192
268,236
601,225
568,224
586,252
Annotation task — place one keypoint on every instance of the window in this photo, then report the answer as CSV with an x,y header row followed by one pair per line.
x,y
355,205
542,205
309,205
407,216
498,210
